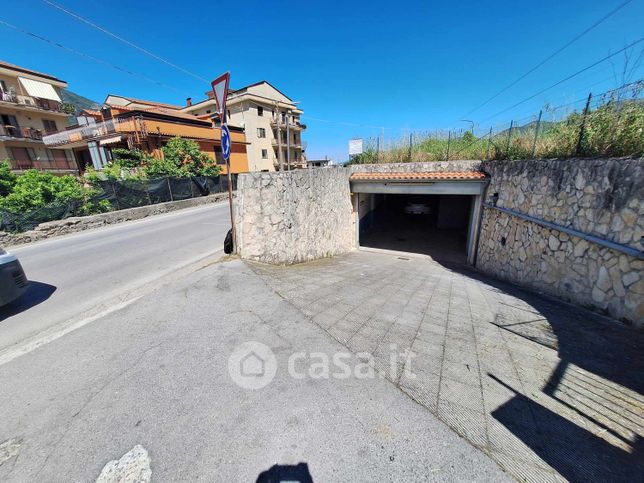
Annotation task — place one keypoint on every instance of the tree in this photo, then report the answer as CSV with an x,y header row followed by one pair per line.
x,y
183,157
128,158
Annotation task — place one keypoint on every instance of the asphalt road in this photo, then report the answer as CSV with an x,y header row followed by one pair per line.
x,y
153,381
72,276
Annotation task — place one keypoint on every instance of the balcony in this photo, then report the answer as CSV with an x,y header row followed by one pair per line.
x,y
284,144
92,132
31,102
28,133
297,125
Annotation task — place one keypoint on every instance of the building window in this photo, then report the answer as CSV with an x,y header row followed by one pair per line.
x,y
3,86
261,132
228,113
208,111
264,153
260,111
50,126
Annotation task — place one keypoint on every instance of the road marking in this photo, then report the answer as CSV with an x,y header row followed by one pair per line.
x,y
132,467
113,304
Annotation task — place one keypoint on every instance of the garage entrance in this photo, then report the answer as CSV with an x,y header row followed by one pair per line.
x,y
435,214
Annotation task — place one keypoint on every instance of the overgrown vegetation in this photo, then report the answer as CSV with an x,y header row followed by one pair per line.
x,y
615,128
35,189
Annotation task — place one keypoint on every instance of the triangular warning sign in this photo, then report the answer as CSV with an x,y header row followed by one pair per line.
x,y
220,90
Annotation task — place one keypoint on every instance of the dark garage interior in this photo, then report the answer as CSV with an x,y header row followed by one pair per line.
x,y
434,225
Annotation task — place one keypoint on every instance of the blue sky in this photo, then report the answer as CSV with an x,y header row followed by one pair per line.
x,y
355,66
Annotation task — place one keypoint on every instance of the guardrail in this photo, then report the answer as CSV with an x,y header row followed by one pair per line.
x,y
628,250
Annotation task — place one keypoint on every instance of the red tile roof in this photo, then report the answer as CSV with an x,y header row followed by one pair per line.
x,y
427,176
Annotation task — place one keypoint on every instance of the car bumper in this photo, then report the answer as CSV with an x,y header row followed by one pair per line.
x,y
13,281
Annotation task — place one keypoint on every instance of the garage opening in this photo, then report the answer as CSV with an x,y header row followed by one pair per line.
x,y
434,214
434,225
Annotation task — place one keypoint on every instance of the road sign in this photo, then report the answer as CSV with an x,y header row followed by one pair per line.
x,y
355,146
220,90
225,141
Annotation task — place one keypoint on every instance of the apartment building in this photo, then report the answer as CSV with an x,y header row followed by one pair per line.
x,y
31,107
271,121
125,122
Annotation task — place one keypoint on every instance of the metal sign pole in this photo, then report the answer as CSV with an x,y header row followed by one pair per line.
x,y
230,194
220,91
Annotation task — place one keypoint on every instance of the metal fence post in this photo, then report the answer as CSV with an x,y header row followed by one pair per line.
x,y
146,184
167,179
410,141
116,199
507,150
489,141
449,140
536,134
583,125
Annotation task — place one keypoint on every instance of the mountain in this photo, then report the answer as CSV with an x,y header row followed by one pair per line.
x,y
528,128
78,101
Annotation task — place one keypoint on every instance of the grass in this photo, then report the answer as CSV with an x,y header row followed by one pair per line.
x,y
615,128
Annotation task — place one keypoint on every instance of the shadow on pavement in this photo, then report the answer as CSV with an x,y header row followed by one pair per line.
x,y
292,473
577,454
36,293
598,381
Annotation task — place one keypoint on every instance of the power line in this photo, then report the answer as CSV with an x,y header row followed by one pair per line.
x,y
566,79
87,56
565,46
125,41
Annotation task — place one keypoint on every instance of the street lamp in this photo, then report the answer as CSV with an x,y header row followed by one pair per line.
x,y
471,122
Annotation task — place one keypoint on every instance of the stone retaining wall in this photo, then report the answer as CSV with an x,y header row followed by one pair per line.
x,y
296,216
600,197
81,223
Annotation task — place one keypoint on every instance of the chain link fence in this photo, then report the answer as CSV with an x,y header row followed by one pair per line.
x,y
119,195
606,124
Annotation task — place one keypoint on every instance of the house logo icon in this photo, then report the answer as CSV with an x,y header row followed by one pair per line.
x,y
252,365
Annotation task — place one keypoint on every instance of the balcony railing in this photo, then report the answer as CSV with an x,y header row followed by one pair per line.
x,y
20,132
91,131
284,144
34,102
292,125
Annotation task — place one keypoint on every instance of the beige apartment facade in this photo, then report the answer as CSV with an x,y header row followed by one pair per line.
x,y
271,121
30,108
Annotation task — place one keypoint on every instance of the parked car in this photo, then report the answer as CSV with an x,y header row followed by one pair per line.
x,y
417,209
13,281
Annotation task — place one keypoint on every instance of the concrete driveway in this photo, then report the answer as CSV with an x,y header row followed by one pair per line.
x,y
546,389
152,383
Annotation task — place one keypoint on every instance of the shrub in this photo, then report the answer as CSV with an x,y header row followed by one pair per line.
x,y
7,178
36,189
182,157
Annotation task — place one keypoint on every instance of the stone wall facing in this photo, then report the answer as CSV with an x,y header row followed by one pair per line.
x,y
600,197
297,216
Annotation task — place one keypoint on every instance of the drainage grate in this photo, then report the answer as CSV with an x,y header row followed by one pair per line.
x,y
403,258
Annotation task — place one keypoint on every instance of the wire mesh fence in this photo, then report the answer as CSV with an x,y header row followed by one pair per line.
x,y
119,195
606,124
